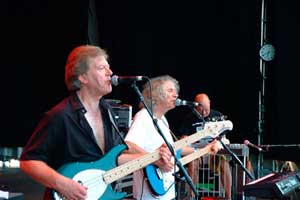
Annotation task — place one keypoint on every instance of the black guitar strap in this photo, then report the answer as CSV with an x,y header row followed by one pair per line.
x,y
110,114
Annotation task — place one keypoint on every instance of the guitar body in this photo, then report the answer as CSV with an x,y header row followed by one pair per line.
x,y
90,175
156,180
160,182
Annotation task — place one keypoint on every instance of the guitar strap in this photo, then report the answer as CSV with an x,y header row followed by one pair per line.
x,y
173,135
113,121
110,114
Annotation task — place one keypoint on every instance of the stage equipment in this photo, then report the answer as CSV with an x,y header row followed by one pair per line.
x,y
274,185
122,113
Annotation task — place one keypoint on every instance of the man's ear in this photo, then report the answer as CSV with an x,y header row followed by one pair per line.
x,y
82,78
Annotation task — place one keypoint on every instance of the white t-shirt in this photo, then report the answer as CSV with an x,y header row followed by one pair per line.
x,y
143,133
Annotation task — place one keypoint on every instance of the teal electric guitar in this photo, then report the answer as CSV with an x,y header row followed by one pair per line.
x,y
97,176
160,182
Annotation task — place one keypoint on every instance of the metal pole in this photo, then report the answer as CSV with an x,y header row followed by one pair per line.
x,y
261,96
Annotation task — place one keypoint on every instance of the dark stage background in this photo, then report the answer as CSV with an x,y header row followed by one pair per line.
x,y
209,46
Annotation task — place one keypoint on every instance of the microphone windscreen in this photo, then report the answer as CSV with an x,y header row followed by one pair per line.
x,y
178,102
114,80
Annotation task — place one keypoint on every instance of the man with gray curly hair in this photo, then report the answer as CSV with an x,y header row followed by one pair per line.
x,y
160,94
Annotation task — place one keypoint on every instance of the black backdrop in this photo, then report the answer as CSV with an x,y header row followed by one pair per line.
x,y
209,46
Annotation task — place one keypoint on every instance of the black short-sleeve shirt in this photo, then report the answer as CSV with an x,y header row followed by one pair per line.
x,y
63,135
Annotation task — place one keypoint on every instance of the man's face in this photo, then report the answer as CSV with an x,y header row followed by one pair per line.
x,y
204,108
171,94
97,77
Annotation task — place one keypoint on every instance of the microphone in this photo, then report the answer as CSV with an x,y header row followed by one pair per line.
x,y
180,102
116,80
246,142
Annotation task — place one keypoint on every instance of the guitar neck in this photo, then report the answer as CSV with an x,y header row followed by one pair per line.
x,y
139,163
129,167
212,129
193,138
195,155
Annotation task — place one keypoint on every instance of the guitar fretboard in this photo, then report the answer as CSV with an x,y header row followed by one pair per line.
x,y
211,129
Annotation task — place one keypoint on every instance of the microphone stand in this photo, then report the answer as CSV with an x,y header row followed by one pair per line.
x,y
238,161
177,161
267,146
198,114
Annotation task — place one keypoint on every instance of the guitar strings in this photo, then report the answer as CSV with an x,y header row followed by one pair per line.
x,y
93,182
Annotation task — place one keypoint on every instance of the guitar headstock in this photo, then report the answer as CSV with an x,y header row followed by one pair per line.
x,y
214,129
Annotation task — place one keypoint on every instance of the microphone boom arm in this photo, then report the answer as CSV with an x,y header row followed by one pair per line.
x,y
237,160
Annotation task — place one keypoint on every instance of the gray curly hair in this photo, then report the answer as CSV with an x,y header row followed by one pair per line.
x,y
153,91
